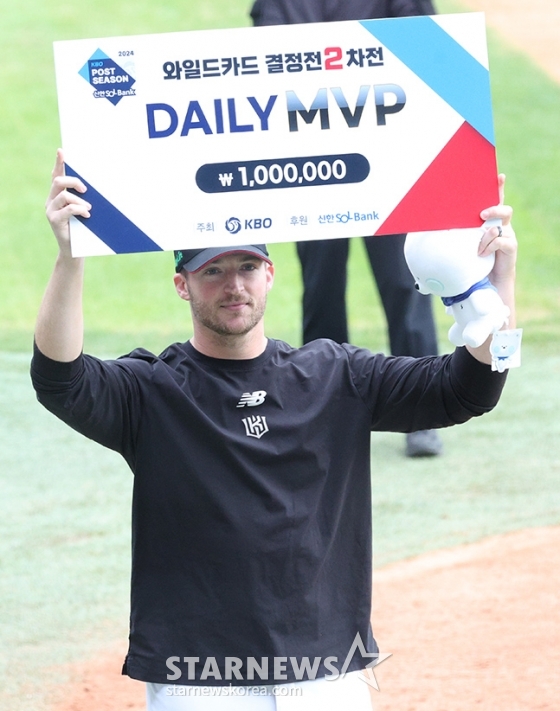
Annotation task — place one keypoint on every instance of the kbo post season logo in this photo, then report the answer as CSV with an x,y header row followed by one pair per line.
x,y
110,80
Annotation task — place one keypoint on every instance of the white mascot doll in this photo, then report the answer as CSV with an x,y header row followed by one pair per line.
x,y
446,263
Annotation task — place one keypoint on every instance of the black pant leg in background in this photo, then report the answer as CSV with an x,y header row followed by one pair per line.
x,y
323,268
409,314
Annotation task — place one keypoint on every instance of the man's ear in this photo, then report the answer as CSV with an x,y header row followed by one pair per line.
x,y
181,286
269,276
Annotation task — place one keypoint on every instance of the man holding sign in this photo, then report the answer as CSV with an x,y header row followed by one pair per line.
x,y
252,560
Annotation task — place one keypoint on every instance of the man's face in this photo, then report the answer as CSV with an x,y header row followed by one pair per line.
x,y
227,296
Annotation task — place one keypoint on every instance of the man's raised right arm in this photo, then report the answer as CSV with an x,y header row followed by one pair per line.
x,y
59,329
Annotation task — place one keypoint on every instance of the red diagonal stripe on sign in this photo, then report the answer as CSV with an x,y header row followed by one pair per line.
x,y
456,186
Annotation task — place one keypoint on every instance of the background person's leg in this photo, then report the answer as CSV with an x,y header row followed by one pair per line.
x,y
410,319
323,268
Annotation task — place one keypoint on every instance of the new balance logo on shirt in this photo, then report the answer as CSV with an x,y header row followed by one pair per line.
x,y
252,399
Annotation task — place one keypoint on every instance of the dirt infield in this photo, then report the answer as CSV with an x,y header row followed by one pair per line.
x,y
476,627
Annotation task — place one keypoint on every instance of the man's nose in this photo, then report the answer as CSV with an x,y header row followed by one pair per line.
x,y
234,283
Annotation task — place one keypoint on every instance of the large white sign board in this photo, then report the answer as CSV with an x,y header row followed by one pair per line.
x,y
275,134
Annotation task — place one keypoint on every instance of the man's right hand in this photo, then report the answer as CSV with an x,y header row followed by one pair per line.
x,y
59,330
61,204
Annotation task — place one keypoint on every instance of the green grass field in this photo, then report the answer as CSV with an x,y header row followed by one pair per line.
x,y
64,505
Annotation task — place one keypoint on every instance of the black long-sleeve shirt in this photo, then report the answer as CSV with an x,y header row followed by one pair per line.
x,y
251,523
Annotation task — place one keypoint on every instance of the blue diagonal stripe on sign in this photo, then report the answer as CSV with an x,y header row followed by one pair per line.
x,y
110,225
443,64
